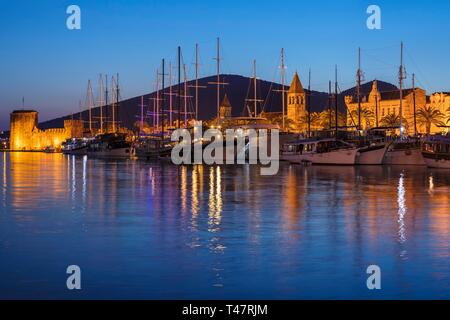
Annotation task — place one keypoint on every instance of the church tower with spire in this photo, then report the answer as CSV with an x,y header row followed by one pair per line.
x,y
296,104
225,108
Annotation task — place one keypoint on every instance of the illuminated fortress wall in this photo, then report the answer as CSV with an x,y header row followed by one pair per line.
x,y
25,134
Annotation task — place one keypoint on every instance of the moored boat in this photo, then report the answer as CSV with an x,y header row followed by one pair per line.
x,y
320,152
75,146
404,152
110,145
152,148
372,154
436,152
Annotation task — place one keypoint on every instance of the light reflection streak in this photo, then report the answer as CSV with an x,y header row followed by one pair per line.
x,y
73,179
430,184
402,209
5,183
194,207
183,189
84,181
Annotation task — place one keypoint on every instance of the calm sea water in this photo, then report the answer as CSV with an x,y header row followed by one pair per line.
x,y
154,230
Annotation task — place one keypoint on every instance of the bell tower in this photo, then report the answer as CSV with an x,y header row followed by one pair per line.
x,y
225,108
296,106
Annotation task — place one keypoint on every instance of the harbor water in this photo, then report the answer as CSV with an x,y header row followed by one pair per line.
x,y
153,230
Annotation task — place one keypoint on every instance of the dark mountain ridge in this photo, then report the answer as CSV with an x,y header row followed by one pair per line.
x,y
238,89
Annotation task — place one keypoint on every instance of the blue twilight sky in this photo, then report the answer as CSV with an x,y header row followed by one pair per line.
x,y
50,65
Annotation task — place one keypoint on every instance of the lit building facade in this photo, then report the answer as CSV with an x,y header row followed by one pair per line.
x,y
25,135
377,105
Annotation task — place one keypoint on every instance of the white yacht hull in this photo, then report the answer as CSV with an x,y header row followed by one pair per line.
x,y
436,162
372,155
407,157
337,157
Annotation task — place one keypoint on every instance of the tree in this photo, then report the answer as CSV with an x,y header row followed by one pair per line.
x,y
315,121
393,121
277,119
448,118
429,115
367,118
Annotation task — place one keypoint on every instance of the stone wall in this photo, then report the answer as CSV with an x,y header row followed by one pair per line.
x,y
25,134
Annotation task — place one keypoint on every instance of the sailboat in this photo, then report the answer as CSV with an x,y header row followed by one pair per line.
x,y
109,145
329,151
404,151
436,152
372,148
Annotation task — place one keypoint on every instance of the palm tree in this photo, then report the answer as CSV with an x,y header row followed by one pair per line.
x,y
325,117
393,121
429,115
448,118
315,121
367,117
278,120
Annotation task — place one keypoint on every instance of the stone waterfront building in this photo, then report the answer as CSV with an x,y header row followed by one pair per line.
x,y
25,135
376,105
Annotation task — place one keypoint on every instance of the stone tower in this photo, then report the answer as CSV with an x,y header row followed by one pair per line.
x,y
296,105
374,96
74,128
22,124
225,108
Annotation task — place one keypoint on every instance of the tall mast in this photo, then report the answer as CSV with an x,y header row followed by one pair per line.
x,y
282,87
170,94
254,89
309,104
218,77
336,102
358,88
162,100
329,105
113,104
414,103
196,86
196,81
101,103
106,100
400,78
218,83
117,98
89,95
142,116
376,111
185,95
154,110
179,86
157,100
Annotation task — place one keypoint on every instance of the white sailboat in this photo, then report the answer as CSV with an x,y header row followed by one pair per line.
x,y
436,152
404,151
372,154
372,149
321,152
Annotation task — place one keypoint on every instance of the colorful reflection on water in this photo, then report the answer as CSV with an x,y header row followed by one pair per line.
x,y
154,230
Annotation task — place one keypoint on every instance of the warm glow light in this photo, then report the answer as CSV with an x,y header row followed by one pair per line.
x,y
401,202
